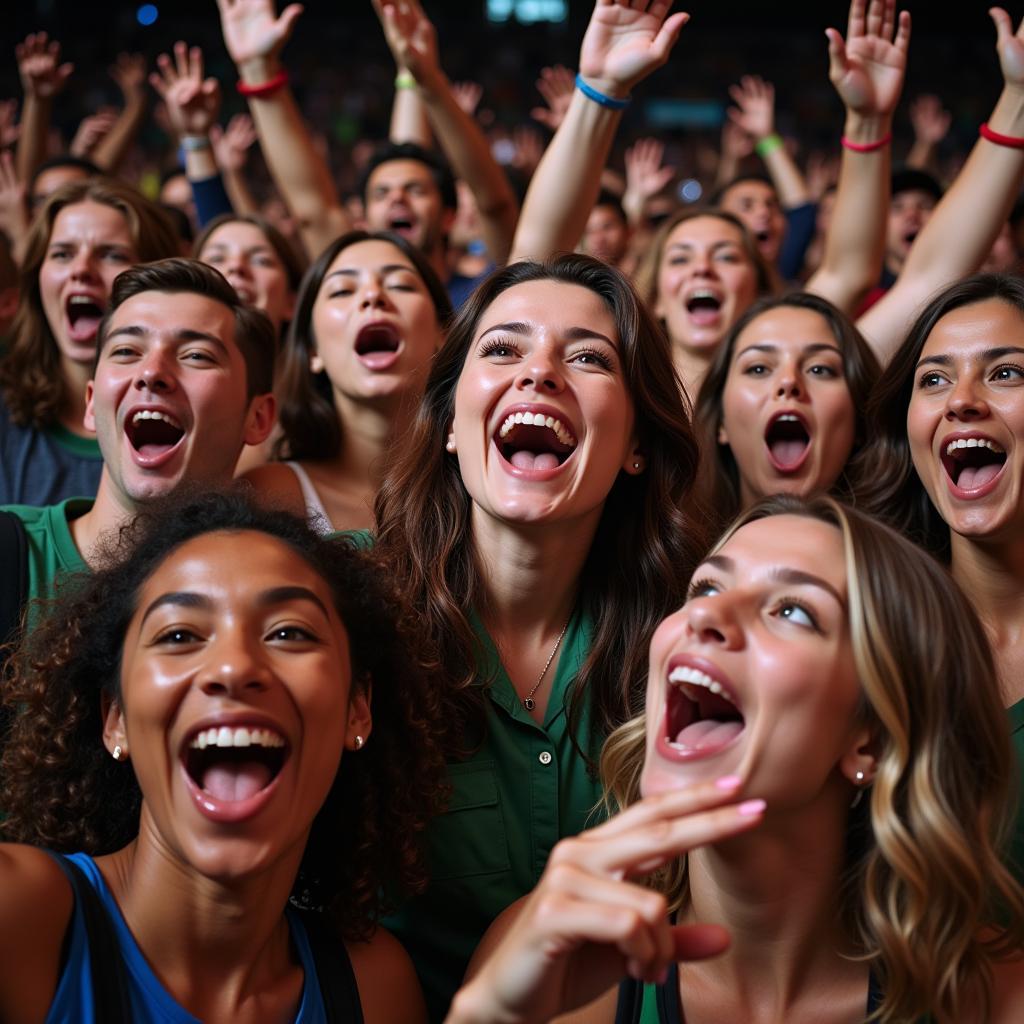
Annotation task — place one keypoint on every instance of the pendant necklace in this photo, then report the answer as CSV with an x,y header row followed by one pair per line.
x,y
528,702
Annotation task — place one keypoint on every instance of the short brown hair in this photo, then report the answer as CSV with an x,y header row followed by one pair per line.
x,y
254,333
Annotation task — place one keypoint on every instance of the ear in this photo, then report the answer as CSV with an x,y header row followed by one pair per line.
x,y
635,462
260,419
114,734
89,419
723,436
860,762
360,721
316,364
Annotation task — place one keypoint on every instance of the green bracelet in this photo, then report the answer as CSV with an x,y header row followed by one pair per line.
x,y
405,80
768,144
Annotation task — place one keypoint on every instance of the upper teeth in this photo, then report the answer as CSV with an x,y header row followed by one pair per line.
x,y
787,418
225,736
531,419
153,414
81,299
973,442
685,674
704,293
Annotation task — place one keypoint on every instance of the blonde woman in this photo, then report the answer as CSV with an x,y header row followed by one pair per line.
x,y
825,769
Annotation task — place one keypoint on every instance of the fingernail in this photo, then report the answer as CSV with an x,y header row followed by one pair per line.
x,y
751,807
728,782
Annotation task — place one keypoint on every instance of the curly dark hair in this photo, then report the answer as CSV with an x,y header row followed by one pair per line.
x,y
61,789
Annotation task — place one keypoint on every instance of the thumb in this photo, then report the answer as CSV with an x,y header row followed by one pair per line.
x,y
668,35
1004,27
288,18
837,51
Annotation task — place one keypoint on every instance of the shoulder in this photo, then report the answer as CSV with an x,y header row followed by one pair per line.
x,y
1007,991
388,987
278,483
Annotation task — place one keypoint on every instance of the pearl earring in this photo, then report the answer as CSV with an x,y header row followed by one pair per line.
x,y
451,444
859,776
636,465
359,742
118,752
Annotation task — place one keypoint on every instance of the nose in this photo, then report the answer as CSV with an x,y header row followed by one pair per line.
x,y
234,667
237,264
83,265
152,373
540,372
788,383
372,294
965,401
712,621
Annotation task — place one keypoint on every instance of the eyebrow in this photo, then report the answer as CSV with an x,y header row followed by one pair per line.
x,y
267,599
782,574
807,350
989,353
714,245
180,334
356,271
571,333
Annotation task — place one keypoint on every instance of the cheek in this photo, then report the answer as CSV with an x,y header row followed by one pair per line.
x,y
920,427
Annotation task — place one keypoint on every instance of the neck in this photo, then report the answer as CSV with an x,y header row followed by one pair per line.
x,y
367,431
110,510
76,377
691,367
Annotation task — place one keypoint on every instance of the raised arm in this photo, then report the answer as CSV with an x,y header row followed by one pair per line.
x,y
754,113
962,228
931,122
413,42
231,147
254,37
867,70
42,78
129,71
625,41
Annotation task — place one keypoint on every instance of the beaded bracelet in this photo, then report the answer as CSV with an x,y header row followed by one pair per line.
x,y
1000,140
271,85
866,147
599,97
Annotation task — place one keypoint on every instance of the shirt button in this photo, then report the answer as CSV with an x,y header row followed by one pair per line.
x,y
544,757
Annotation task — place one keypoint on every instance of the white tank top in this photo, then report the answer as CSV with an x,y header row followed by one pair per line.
x,y
316,514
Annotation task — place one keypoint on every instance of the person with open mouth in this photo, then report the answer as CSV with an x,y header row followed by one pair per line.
x,y
85,234
782,408
811,807
537,519
945,463
215,751
369,317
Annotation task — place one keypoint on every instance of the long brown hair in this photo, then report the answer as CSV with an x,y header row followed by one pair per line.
x,y
885,481
31,382
646,540
926,898
860,371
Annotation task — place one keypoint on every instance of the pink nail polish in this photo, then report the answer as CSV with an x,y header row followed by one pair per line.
x,y
751,807
728,782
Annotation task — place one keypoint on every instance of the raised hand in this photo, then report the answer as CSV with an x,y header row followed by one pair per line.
x,y
755,106
1010,47
42,74
231,145
129,72
736,143
192,102
410,36
625,41
867,68
252,32
529,148
468,95
646,176
930,121
587,924
14,217
556,85
91,130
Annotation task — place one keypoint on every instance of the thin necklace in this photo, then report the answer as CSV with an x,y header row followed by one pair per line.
x,y
528,702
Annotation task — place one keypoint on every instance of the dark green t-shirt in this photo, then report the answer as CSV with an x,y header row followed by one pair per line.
x,y
1016,851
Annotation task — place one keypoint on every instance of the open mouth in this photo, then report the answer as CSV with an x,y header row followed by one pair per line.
x,y
377,338
233,764
152,433
788,441
763,236
401,224
534,441
704,306
972,462
701,715
84,315
909,238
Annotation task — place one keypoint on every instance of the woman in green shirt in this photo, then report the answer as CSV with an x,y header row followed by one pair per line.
x,y
537,519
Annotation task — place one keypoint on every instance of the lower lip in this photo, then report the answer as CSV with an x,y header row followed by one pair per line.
x,y
378,361
670,752
153,461
229,812
787,469
980,492
531,475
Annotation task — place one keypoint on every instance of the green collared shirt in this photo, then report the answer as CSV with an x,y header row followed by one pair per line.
x,y
525,788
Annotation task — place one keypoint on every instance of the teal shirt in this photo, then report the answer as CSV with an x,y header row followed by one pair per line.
x,y
524,789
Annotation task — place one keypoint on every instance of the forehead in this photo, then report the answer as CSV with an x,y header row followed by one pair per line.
x,y
91,219
397,173
604,215
370,255
238,233
788,542
54,177
991,323
788,328
913,197
704,231
553,305
745,191
174,312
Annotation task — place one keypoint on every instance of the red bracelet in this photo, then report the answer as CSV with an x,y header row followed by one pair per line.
x,y
1000,140
867,147
271,85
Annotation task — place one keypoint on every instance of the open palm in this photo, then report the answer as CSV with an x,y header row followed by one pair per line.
x,y
251,29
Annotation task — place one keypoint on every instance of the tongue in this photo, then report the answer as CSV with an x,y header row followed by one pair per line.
x,y
534,460
788,453
704,315
234,782
708,732
973,477
84,328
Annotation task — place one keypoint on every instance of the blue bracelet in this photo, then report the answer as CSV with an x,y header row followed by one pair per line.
x,y
599,97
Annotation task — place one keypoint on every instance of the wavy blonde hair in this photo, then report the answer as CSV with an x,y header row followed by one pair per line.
x,y
926,897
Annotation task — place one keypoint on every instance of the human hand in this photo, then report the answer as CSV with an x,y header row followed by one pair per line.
x,y
755,106
529,148
14,217
231,145
625,41
42,74
556,85
930,121
91,130
867,68
192,102
129,72
253,34
468,96
1010,47
410,36
736,143
9,127
822,173
587,923
645,174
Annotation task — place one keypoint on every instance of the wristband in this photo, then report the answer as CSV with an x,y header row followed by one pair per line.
x,y
866,147
599,97
267,88
191,143
768,144
405,80
1000,140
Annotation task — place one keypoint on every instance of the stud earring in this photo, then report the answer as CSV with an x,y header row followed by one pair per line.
x,y
859,795
636,465
450,446
118,752
859,776
359,742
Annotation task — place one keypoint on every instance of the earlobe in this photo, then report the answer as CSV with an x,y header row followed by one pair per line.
x,y
115,739
635,463
360,720
316,364
859,764
723,437
261,418
89,419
